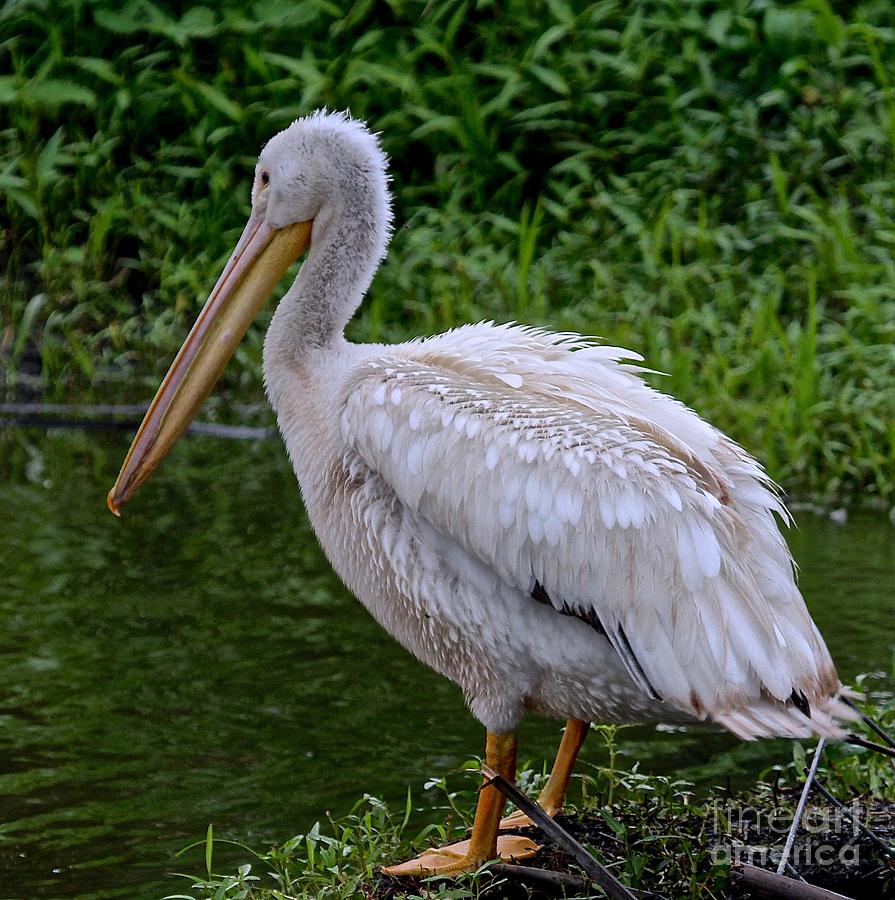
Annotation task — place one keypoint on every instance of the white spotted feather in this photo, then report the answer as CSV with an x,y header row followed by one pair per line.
x,y
618,500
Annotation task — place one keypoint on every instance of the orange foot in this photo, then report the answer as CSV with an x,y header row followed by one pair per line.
x,y
456,858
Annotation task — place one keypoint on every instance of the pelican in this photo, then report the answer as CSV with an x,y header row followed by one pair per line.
x,y
518,508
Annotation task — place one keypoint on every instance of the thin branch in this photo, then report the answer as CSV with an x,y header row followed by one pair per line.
x,y
762,883
856,822
541,877
598,874
858,741
872,724
800,809
549,878
71,409
211,429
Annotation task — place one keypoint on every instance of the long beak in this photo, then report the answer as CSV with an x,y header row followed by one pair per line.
x,y
260,259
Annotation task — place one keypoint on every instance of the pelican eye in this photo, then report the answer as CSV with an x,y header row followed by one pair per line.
x,y
265,178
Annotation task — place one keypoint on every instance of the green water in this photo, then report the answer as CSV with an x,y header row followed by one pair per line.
x,y
198,662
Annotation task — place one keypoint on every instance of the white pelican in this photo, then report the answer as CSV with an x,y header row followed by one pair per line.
x,y
517,508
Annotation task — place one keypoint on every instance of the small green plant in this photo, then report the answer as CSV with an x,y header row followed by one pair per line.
x,y
655,832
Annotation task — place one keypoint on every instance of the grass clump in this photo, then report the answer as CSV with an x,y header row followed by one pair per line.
x,y
711,185
655,833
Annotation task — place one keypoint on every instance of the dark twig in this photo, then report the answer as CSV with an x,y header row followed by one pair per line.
x,y
541,877
856,822
858,741
87,423
88,410
791,872
45,422
597,873
549,878
872,724
762,883
232,432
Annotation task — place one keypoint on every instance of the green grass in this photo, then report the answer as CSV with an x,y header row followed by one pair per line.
x,y
662,835
710,184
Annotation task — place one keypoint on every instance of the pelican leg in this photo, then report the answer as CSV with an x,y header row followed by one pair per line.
x,y
483,844
553,796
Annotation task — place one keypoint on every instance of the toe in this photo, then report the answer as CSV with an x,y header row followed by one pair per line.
x,y
452,859
456,858
517,820
515,847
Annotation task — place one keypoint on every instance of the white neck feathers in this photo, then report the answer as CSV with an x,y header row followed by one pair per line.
x,y
340,162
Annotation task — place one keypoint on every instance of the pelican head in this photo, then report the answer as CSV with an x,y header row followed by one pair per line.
x,y
319,183
317,167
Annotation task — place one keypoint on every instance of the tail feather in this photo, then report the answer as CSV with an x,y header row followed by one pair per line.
x,y
767,717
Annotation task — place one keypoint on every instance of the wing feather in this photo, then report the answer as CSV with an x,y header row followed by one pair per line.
x,y
554,463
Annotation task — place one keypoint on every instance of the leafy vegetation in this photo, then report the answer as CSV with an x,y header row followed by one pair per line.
x,y
653,832
710,184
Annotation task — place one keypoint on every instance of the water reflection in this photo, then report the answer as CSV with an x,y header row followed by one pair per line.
x,y
198,662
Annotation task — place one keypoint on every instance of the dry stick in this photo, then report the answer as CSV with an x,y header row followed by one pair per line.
x,y
872,724
549,878
211,429
888,848
597,873
792,873
232,432
869,745
543,877
67,409
790,838
47,422
104,409
762,883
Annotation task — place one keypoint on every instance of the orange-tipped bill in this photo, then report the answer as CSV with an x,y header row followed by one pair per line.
x,y
259,261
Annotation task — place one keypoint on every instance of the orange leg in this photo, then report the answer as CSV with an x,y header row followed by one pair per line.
x,y
553,796
484,843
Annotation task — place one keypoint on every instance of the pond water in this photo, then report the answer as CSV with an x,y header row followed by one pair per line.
x,y
198,662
